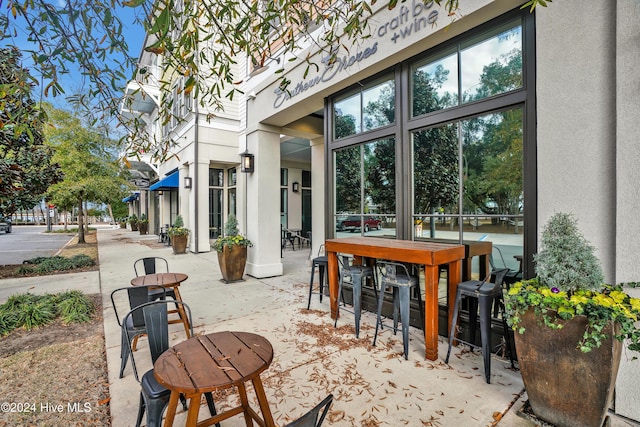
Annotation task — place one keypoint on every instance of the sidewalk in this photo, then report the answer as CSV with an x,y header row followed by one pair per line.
x,y
373,386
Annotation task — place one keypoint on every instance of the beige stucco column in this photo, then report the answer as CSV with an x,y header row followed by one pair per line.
x,y
263,203
199,199
317,193
627,398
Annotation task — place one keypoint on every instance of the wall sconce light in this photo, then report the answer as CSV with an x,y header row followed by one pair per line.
x,y
246,162
160,193
295,187
187,182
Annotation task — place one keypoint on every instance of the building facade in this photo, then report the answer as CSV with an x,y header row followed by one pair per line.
x,y
477,127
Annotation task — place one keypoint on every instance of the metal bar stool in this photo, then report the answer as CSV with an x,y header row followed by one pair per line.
x,y
322,262
481,295
397,276
356,274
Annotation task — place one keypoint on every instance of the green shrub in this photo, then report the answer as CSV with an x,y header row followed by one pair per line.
x,y
32,311
42,265
36,315
8,322
82,260
75,307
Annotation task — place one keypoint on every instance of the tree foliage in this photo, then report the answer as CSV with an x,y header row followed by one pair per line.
x,y
199,41
26,169
92,170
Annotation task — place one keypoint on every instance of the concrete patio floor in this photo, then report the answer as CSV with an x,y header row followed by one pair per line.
x,y
373,386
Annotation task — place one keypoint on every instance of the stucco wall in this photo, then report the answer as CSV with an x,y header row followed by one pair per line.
x,y
576,119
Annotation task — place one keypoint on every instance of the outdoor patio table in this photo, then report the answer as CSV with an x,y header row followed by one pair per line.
x,y
431,255
472,248
167,280
216,361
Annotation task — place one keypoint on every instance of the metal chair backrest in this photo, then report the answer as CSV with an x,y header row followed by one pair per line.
x,y
150,265
137,295
389,270
314,418
155,317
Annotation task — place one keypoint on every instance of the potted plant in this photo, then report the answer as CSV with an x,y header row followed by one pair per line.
x,y
179,235
143,224
123,222
232,251
569,328
133,220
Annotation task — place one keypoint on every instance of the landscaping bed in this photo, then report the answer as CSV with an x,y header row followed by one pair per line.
x,y
56,374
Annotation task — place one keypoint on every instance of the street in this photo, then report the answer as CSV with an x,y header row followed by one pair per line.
x,y
30,241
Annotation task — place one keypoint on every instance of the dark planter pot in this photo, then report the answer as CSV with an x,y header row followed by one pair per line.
x,y
565,386
232,262
134,227
179,244
143,228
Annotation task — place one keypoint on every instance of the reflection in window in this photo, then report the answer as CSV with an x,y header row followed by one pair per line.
x,y
435,84
493,65
378,106
491,174
365,177
435,170
489,65
370,108
348,180
492,151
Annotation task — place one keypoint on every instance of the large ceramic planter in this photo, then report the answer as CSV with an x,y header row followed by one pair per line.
x,y
143,228
179,244
565,386
134,226
232,262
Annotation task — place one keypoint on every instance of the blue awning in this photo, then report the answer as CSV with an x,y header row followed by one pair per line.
x,y
130,198
169,182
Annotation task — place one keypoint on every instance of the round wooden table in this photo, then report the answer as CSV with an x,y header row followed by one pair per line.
x,y
168,280
216,361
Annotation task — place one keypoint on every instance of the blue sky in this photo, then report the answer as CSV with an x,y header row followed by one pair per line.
x,y
74,82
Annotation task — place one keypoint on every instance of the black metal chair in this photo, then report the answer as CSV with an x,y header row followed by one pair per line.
x,y
481,295
153,265
498,264
163,235
153,396
314,417
396,276
322,263
134,326
356,275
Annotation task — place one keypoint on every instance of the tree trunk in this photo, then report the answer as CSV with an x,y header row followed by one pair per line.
x,y
80,223
111,214
86,222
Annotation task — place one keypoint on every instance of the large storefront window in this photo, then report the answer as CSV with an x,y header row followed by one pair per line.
x,y
458,163
485,155
365,188
489,64
369,108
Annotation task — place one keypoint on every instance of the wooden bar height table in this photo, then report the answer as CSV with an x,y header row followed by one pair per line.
x,y
472,248
167,280
431,255
216,361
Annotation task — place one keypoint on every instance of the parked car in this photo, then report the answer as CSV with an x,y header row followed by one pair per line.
x,y
353,223
340,219
5,224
